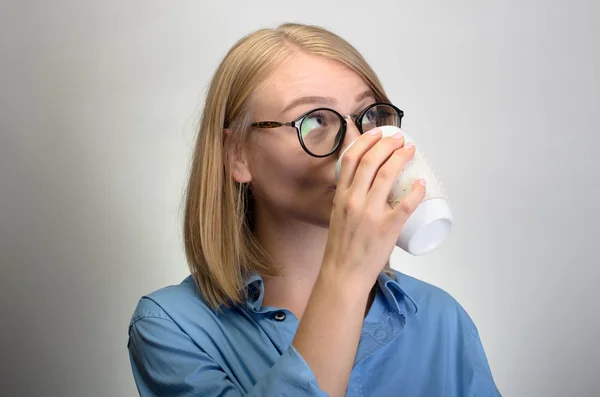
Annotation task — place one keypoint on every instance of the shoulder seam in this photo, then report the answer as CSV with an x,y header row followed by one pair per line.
x,y
156,312
151,316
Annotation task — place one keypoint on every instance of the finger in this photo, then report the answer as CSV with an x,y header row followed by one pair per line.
x,y
351,158
372,161
403,209
388,174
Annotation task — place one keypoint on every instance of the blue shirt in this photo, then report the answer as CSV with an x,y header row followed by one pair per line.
x,y
416,340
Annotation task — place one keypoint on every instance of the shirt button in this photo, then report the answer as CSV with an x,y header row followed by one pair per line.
x,y
279,316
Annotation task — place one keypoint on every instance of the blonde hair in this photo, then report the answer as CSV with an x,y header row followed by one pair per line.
x,y
220,246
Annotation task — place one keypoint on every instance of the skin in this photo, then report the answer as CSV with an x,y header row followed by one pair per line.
x,y
330,240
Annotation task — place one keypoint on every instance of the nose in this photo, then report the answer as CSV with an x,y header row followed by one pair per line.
x,y
352,133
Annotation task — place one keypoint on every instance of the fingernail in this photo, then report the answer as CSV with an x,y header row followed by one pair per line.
x,y
398,135
374,131
408,145
422,182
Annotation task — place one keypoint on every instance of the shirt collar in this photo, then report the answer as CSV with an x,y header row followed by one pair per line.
x,y
256,292
394,290
396,294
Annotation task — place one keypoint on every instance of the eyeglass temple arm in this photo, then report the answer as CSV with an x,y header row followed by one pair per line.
x,y
271,124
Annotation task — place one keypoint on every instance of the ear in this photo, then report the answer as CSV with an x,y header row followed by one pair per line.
x,y
238,164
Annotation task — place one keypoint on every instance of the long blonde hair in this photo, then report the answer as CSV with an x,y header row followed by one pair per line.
x,y
220,246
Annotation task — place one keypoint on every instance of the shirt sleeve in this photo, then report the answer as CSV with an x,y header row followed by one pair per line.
x,y
477,366
166,362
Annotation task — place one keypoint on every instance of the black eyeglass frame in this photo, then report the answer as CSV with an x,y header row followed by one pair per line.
x,y
343,125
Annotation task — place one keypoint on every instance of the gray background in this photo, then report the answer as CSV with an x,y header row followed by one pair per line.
x,y
99,102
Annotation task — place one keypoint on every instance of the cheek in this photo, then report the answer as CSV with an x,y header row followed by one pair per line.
x,y
286,174
282,173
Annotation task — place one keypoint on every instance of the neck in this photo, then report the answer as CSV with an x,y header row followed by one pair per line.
x,y
297,248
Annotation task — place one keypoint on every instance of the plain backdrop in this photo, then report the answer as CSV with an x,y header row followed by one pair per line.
x,y
98,113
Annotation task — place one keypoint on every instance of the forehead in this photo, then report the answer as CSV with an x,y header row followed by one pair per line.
x,y
309,75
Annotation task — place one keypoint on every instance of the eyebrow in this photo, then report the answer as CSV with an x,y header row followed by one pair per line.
x,y
321,100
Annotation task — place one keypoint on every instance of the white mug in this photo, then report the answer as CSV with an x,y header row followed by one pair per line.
x,y
430,224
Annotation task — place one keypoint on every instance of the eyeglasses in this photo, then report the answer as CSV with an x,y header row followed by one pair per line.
x,y
322,130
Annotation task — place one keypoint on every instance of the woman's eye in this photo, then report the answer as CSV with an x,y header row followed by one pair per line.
x,y
313,122
378,115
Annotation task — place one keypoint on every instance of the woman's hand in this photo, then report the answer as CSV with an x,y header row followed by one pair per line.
x,y
364,227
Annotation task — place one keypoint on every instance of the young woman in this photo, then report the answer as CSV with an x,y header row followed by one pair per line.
x,y
290,292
